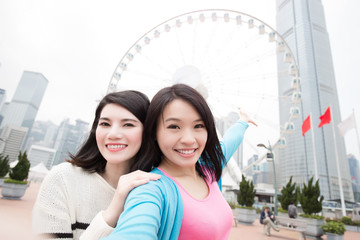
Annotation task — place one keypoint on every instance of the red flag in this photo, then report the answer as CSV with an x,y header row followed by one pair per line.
x,y
306,125
326,118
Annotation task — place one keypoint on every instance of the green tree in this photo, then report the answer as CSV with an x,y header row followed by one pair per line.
x,y
288,195
310,198
4,165
247,193
21,171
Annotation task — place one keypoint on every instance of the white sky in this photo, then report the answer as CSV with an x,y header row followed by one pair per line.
x,y
76,45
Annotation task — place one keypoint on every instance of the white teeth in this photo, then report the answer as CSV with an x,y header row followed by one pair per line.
x,y
116,146
186,151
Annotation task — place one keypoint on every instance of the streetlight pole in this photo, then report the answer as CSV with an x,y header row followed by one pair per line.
x,y
273,162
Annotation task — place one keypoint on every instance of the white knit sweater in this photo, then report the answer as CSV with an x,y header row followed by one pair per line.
x,y
71,200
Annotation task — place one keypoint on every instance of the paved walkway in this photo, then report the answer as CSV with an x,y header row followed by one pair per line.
x,y
15,222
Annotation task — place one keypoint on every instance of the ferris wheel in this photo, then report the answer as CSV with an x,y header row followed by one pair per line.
x,y
228,56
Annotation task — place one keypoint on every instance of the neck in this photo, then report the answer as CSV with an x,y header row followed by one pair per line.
x,y
179,172
113,172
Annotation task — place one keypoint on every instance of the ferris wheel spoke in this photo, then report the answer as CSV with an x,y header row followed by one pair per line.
x,y
228,56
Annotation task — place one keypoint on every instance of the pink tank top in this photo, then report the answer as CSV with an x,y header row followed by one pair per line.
x,y
208,218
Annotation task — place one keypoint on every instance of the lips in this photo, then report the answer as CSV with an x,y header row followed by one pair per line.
x,y
186,153
115,147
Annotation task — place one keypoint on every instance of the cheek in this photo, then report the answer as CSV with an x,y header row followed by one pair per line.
x,y
203,138
136,136
97,135
163,140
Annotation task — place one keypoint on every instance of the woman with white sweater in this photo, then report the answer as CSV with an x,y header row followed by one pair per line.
x,y
84,197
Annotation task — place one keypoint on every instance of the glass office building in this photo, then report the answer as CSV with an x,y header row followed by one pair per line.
x,y
25,103
302,25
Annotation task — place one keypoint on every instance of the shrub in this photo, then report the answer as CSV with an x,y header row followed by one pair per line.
x,y
334,227
288,195
232,205
313,216
356,223
282,210
258,210
346,220
4,165
247,193
310,198
332,219
9,180
21,171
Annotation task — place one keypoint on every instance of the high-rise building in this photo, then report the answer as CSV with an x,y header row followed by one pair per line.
x,y
42,134
2,97
38,154
26,101
355,176
302,25
12,138
2,101
69,139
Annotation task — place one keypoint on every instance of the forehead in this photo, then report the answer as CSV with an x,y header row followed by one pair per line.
x,y
180,108
113,110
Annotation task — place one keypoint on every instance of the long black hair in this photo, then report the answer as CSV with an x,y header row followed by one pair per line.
x,y
89,157
212,157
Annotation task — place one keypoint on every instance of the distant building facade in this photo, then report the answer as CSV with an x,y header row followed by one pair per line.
x,y
2,102
12,138
355,176
302,25
38,154
22,109
69,139
43,133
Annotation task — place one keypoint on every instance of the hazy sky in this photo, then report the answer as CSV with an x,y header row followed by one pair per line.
x,y
76,45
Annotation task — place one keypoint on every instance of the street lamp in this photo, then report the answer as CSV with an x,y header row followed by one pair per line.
x,y
271,155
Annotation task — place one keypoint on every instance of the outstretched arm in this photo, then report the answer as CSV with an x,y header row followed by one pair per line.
x,y
235,135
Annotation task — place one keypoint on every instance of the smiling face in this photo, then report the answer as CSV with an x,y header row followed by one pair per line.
x,y
118,134
181,135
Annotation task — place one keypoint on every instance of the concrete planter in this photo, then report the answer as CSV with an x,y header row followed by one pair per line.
x,y
333,236
313,227
246,216
2,181
352,228
13,191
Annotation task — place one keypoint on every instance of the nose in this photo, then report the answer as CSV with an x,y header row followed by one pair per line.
x,y
188,137
115,132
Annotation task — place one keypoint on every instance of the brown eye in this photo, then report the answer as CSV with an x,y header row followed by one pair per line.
x,y
173,126
199,126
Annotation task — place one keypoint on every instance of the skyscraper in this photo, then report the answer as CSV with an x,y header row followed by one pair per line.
x,y
69,139
38,154
302,24
12,138
2,102
26,101
355,176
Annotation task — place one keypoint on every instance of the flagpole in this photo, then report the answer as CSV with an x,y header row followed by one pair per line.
x,y
314,152
356,130
338,166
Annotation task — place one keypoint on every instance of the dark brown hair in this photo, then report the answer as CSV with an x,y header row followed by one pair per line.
x,y
89,157
150,154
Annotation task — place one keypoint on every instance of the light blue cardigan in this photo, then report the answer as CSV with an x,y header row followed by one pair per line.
x,y
155,210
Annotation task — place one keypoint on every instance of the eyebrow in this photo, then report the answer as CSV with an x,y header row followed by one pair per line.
x,y
122,120
178,120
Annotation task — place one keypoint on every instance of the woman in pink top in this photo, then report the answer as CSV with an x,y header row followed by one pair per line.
x,y
186,203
